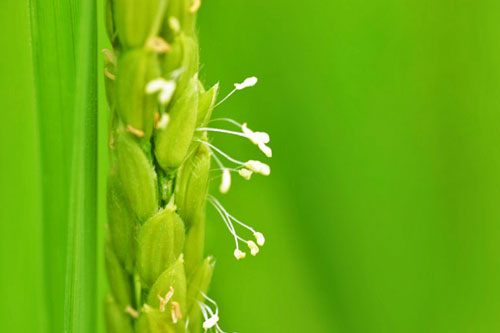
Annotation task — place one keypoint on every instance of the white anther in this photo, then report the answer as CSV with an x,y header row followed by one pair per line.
x,y
258,167
135,131
265,149
228,218
211,317
255,137
174,24
155,86
163,122
109,56
158,45
249,82
165,87
245,173
226,181
171,204
238,254
210,322
260,238
167,92
132,312
166,299
109,75
175,311
254,249
258,138
195,6
252,165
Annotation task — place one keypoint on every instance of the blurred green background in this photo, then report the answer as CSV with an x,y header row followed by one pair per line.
x,y
382,211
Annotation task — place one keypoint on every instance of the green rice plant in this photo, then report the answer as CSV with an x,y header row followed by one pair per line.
x,y
63,35
160,163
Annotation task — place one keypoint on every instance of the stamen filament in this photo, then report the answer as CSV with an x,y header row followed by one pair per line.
x,y
229,120
225,98
220,130
228,223
222,168
259,237
221,152
210,300
214,319
217,159
241,223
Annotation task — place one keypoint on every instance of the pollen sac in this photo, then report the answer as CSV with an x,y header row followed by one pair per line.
x,y
137,21
136,69
109,76
160,243
136,175
172,279
119,280
198,283
192,185
117,320
172,143
181,11
122,222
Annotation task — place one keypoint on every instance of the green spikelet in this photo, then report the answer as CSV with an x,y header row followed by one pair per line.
x,y
172,143
173,278
136,21
122,223
120,282
199,282
160,162
135,107
155,321
137,176
192,185
161,241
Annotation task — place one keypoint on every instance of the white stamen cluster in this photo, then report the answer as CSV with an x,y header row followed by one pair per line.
x,y
261,139
228,220
165,88
258,138
244,169
211,317
175,308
